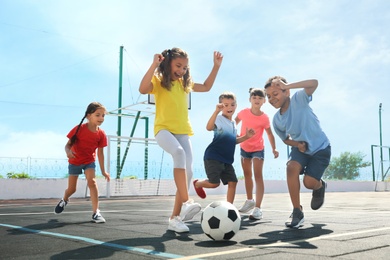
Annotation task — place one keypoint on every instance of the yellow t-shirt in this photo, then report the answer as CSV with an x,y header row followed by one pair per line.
x,y
171,108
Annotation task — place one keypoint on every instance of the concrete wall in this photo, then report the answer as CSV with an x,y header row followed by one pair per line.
x,y
54,188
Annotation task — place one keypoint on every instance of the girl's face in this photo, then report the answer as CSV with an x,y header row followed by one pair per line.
x,y
256,101
229,107
97,117
179,67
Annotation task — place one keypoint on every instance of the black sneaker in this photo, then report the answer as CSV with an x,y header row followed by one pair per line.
x,y
318,197
60,206
296,219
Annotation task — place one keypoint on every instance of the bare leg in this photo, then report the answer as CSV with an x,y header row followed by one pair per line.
x,y
247,168
180,178
72,184
293,170
311,183
93,188
231,192
258,172
206,184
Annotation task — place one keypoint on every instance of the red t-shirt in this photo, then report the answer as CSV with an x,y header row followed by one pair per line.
x,y
86,144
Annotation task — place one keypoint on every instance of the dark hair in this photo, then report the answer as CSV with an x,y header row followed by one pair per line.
x,y
90,110
228,95
164,69
269,81
256,92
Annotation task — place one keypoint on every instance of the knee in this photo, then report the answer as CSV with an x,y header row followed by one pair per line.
x,y
214,185
179,157
91,183
232,184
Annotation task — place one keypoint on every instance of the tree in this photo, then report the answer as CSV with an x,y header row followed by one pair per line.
x,y
346,166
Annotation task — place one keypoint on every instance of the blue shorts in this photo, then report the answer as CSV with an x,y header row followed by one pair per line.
x,y
312,165
251,155
76,170
217,171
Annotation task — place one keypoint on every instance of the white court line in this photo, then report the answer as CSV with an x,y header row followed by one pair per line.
x,y
94,241
281,244
76,212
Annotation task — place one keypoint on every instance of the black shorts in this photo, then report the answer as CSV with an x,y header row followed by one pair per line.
x,y
217,171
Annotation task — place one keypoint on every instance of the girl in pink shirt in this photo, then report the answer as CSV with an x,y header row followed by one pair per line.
x,y
252,151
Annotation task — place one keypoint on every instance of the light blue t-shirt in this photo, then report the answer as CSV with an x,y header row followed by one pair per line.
x,y
300,122
224,142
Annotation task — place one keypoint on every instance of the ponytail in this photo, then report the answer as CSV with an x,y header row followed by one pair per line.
x,y
92,107
73,139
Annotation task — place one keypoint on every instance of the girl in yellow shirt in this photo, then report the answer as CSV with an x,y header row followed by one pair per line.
x,y
169,79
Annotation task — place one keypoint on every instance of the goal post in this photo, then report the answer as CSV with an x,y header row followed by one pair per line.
x,y
380,162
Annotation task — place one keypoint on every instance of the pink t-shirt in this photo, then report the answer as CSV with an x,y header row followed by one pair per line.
x,y
257,123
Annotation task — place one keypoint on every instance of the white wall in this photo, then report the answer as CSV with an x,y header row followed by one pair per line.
x,y
54,188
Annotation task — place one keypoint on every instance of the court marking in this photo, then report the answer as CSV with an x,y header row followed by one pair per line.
x,y
95,242
75,212
279,244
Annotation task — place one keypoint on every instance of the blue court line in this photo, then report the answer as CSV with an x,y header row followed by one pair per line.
x,y
95,242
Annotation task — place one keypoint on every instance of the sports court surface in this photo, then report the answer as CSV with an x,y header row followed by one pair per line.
x,y
350,225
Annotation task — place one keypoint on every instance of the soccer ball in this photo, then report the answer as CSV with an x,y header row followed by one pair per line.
x,y
220,220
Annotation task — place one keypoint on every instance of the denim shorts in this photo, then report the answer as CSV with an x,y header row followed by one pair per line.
x,y
78,169
251,155
217,171
312,165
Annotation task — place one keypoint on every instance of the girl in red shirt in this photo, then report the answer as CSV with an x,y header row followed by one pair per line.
x,y
84,141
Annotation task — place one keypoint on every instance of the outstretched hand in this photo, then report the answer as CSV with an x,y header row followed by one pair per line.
x,y
218,57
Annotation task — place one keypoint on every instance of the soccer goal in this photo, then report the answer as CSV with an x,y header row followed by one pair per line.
x,y
380,157
143,169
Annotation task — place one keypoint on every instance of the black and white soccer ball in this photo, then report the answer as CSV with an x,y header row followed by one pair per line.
x,y
220,220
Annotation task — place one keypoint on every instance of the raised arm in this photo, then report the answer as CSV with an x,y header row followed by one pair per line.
x,y
309,85
211,123
206,86
146,83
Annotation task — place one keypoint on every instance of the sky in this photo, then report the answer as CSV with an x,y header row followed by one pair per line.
x,y
58,56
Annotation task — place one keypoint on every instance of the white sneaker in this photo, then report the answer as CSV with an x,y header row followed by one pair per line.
x,y
256,214
248,205
189,210
177,225
97,217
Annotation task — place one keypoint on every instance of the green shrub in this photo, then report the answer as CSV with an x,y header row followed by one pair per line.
x,y
13,175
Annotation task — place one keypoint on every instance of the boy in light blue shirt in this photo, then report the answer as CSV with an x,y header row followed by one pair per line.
x,y
297,125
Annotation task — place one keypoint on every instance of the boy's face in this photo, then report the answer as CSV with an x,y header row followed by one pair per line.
x,y
276,96
229,107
